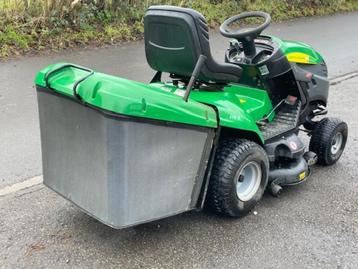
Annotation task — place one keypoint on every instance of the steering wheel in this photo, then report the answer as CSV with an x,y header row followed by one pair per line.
x,y
246,35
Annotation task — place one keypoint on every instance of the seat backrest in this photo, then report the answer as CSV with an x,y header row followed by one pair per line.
x,y
175,38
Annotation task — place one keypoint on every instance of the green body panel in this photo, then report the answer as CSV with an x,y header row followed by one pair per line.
x,y
288,47
238,106
127,97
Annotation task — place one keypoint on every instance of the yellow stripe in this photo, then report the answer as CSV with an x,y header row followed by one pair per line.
x,y
298,57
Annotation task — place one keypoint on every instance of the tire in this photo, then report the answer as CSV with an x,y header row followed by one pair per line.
x,y
309,125
325,140
236,159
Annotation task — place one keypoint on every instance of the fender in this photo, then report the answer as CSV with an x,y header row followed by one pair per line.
x,y
238,106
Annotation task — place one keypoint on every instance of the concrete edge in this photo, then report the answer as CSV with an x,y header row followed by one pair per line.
x,y
21,185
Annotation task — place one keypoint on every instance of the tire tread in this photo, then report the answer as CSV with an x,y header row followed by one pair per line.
x,y
230,152
320,142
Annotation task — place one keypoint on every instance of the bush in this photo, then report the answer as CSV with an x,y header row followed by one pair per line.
x,y
35,25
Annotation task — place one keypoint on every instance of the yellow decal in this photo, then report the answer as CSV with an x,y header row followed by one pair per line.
x,y
302,176
298,57
242,101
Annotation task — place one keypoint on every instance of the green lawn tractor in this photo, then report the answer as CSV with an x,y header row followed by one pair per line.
x,y
214,135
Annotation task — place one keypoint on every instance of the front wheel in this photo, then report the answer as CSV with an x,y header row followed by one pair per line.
x,y
239,177
328,140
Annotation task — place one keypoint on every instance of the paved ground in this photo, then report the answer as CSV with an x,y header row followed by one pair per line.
x,y
314,225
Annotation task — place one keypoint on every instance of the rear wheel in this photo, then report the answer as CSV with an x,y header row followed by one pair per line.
x,y
328,140
239,177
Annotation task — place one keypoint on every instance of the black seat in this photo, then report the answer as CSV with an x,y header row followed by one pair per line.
x,y
175,38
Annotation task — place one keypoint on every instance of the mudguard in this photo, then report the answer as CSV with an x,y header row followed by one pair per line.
x,y
238,106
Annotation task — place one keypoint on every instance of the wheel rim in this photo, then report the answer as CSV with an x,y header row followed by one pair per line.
x,y
337,142
248,181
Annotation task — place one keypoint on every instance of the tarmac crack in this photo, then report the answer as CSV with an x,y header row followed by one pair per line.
x,y
341,78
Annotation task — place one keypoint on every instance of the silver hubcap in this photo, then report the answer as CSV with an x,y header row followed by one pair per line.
x,y
336,143
248,181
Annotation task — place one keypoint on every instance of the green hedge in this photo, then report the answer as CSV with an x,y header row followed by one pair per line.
x,y
33,25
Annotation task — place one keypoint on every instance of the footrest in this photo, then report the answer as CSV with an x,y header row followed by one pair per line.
x,y
285,120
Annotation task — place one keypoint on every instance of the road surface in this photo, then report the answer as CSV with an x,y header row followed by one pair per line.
x,y
313,225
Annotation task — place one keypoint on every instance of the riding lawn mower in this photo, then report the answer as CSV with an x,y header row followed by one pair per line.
x,y
213,135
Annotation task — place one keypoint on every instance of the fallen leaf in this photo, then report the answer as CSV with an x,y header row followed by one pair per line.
x,y
34,247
